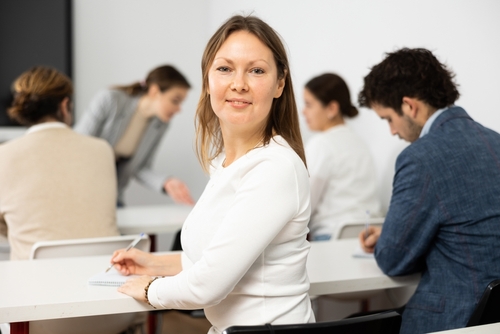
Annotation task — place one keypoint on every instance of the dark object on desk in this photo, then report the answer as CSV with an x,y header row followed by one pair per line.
x,y
380,323
488,309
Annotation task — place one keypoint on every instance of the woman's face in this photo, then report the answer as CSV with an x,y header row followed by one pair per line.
x,y
242,83
316,114
168,103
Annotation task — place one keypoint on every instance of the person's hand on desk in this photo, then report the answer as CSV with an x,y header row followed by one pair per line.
x,y
137,262
178,191
368,238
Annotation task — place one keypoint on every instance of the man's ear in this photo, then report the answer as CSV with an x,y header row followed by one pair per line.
x,y
410,107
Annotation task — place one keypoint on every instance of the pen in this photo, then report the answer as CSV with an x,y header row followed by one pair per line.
x,y
367,223
132,244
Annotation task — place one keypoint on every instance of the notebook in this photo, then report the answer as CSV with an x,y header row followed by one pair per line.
x,y
110,278
359,252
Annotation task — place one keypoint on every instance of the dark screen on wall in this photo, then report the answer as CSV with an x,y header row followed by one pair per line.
x,y
32,32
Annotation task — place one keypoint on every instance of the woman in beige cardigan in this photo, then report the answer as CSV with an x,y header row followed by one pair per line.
x,y
54,183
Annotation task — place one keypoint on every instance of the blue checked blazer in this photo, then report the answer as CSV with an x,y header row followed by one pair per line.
x,y
444,221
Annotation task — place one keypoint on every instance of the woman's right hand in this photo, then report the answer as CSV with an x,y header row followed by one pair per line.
x,y
133,262
137,262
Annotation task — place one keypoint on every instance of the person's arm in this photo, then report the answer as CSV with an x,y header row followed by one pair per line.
x,y
267,199
173,187
411,224
96,114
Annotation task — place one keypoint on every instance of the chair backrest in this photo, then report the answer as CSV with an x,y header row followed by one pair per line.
x,y
85,246
488,309
4,248
352,228
103,324
380,323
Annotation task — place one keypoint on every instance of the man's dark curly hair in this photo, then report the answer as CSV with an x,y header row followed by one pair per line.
x,y
412,73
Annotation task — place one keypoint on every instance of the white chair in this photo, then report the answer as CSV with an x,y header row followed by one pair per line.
x,y
4,248
105,324
85,247
352,228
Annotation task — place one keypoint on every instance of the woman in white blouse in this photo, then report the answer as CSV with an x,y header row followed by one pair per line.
x,y
342,172
245,246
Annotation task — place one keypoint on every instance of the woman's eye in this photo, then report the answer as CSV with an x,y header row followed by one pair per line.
x,y
257,71
223,69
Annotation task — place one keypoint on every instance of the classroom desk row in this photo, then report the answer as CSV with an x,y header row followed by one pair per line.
x,y
58,288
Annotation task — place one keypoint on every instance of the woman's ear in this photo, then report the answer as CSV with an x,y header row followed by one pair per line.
x,y
281,85
65,108
332,110
153,90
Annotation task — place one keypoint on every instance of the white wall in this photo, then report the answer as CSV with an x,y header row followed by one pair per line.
x,y
120,41
348,37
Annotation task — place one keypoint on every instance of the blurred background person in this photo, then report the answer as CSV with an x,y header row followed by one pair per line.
x,y
133,119
342,172
55,183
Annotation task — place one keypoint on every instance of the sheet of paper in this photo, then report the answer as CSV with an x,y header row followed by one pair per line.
x,y
110,278
359,252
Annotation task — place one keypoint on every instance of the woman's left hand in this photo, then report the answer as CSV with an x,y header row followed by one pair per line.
x,y
134,287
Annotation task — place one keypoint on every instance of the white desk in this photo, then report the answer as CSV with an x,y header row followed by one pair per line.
x,y
57,288
484,329
333,270
152,219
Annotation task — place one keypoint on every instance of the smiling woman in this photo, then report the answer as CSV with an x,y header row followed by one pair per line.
x,y
133,119
245,245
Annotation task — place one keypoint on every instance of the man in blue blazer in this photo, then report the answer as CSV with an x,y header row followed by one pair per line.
x,y
444,215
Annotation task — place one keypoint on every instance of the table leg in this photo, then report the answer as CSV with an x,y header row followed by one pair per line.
x,y
152,322
20,327
152,237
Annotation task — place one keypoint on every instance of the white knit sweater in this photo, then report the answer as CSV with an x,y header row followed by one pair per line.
x,y
245,244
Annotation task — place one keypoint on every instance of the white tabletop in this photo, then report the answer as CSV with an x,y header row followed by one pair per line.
x,y
332,269
57,288
152,219
484,329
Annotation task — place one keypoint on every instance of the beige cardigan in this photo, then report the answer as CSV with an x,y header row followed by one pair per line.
x,y
56,184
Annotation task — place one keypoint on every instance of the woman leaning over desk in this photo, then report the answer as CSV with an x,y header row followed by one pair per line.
x,y
343,178
245,246
133,119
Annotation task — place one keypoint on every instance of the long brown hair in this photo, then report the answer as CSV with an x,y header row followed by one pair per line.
x,y
283,119
38,93
165,77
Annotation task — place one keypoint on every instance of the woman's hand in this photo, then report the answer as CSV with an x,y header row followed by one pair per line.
x,y
134,287
133,262
178,191
137,262
368,238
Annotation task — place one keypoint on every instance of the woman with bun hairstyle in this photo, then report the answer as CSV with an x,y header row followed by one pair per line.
x,y
245,241
133,119
55,183
342,172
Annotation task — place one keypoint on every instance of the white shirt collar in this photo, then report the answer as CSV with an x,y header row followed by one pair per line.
x,y
428,123
46,125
